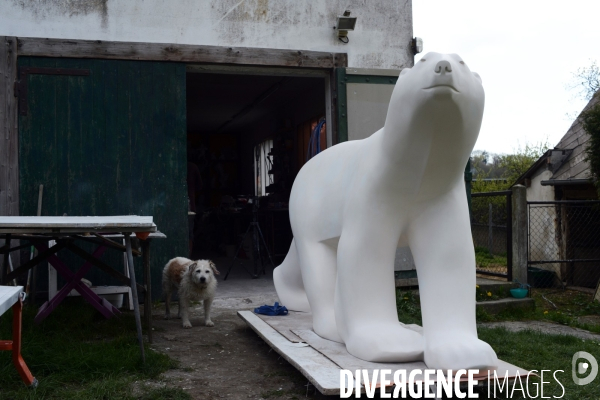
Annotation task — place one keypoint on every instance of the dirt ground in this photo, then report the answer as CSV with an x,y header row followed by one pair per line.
x,y
230,361
227,361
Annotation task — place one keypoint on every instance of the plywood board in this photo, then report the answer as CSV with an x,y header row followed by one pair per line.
x,y
296,320
333,352
320,371
123,223
284,324
337,353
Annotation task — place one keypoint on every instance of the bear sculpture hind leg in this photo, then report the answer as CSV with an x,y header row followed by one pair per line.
x,y
441,244
319,270
287,278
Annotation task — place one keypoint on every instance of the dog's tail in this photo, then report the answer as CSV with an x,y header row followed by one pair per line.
x,y
288,282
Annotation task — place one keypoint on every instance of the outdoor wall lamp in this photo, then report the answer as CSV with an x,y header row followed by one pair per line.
x,y
416,45
344,24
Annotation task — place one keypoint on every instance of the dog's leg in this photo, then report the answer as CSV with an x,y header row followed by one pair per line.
x,y
167,291
207,305
184,310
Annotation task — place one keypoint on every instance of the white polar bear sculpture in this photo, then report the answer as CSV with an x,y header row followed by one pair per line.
x,y
355,203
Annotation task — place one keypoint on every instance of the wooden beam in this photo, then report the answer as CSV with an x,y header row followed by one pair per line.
x,y
115,245
102,266
40,47
9,144
34,261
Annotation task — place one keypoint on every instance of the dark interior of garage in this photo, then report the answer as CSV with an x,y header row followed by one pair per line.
x,y
247,138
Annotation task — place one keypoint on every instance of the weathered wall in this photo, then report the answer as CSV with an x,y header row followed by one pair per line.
x,y
537,192
543,242
381,39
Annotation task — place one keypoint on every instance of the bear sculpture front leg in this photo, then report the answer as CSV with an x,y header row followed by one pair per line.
x,y
365,302
440,240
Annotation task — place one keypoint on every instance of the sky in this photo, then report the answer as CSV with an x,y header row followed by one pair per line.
x,y
526,52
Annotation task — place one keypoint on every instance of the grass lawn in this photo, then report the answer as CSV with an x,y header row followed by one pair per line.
x,y
566,307
490,262
530,349
77,354
537,351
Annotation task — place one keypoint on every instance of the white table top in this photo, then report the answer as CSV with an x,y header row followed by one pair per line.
x,y
9,295
116,223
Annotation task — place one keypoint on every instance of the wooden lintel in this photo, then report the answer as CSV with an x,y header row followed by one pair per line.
x,y
69,48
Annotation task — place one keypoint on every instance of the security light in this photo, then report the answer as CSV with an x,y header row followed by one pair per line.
x,y
345,23
417,45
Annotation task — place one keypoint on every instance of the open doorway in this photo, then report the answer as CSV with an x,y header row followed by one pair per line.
x,y
248,135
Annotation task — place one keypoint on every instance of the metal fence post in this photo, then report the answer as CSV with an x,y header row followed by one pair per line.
x,y
490,229
468,180
509,251
519,233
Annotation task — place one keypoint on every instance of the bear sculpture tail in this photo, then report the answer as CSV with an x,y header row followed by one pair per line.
x,y
288,282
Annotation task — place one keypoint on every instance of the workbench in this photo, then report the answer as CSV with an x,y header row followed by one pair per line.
x,y
66,232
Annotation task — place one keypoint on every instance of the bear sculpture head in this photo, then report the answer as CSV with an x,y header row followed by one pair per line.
x,y
439,100
438,81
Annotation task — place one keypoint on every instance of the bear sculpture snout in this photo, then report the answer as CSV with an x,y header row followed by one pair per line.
x,y
443,67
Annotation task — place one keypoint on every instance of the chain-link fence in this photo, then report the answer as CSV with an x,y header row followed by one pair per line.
x,y
492,235
564,244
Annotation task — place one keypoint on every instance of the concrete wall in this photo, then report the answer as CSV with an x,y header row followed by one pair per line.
x,y
537,192
381,39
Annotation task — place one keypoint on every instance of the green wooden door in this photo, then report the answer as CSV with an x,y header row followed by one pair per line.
x,y
110,143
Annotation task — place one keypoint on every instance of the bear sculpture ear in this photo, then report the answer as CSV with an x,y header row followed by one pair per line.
x,y
404,71
477,76
191,267
213,267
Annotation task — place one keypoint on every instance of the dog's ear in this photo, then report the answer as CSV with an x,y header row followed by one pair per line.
x,y
213,267
191,268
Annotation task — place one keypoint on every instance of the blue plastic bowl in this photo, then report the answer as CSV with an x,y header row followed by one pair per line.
x,y
518,293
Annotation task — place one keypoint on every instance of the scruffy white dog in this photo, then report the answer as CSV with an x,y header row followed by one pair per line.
x,y
194,280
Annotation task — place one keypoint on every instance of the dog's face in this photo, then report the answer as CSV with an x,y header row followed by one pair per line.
x,y
202,272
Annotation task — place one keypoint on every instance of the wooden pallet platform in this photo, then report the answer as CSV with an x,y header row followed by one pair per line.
x,y
321,360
